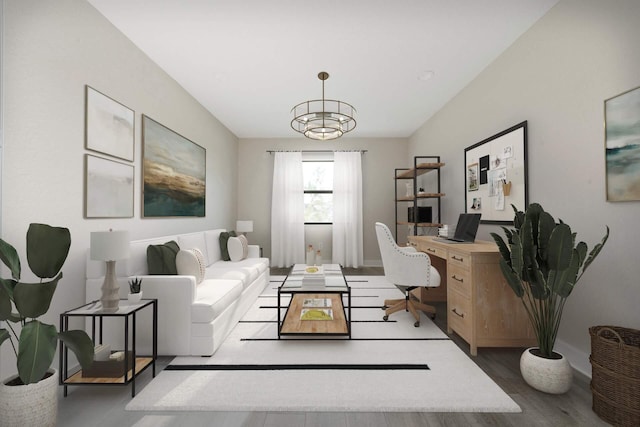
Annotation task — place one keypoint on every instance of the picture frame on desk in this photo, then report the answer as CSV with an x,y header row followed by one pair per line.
x,y
496,172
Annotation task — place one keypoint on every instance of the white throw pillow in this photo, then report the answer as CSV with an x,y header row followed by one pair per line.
x,y
245,245
236,249
190,262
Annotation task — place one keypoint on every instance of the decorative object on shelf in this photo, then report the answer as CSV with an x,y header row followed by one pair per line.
x,y
244,226
33,390
542,263
311,256
615,379
323,119
135,293
109,126
174,173
409,186
109,246
621,145
318,260
108,188
489,165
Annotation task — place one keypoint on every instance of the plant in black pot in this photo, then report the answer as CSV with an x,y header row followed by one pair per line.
x,y
33,341
542,262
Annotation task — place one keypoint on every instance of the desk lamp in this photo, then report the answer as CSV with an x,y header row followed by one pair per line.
x,y
110,246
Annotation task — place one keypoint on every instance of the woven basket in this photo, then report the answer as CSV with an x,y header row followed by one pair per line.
x,y
615,382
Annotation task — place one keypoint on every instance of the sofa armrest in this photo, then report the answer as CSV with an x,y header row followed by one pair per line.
x,y
254,251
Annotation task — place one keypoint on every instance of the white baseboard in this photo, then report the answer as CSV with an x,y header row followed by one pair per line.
x,y
578,359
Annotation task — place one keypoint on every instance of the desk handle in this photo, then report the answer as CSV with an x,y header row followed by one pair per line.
x,y
457,279
431,250
455,258
456,313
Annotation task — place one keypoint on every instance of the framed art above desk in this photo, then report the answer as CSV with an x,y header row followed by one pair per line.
x,y
496,175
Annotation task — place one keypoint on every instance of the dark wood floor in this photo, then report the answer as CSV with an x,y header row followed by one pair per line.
x,y
104,406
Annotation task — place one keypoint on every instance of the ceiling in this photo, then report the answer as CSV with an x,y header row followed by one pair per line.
x,y
250,61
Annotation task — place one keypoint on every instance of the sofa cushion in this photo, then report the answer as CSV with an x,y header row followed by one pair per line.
x,y
195,240
161,259
238,248
224,238
212,239
212,298
190,262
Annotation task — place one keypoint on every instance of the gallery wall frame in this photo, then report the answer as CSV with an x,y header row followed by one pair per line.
x,y
622,146
109,126
173,173
496,175
108,187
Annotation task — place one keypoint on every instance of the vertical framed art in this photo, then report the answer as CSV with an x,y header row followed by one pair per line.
x,y
108,188
174,173
496,175
109,126
622,146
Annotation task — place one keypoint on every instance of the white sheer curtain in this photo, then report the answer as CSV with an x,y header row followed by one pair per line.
x,y
287,210
347,209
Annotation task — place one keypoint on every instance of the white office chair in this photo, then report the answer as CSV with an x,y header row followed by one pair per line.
x,y
408,269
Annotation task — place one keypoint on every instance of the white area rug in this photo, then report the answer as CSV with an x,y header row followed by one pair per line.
x,y
387,366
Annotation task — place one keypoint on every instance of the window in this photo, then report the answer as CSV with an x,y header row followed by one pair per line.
x,y
318,192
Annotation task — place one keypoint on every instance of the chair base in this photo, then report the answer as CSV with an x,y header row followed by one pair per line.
x,y
411,304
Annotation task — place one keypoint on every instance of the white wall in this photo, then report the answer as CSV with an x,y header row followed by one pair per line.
x,y
52,49
255,175
557,76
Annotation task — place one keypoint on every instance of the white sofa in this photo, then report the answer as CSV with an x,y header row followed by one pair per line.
x,y
193,319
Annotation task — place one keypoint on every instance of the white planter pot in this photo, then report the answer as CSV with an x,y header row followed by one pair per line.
x,y
552,376
29,405
134,297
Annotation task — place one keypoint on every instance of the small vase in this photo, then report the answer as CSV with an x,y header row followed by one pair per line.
x,y
134,297
552,376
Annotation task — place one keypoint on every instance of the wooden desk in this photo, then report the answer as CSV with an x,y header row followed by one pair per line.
x,y
481,307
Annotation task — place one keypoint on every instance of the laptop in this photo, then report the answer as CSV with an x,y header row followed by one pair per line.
x,y
466,229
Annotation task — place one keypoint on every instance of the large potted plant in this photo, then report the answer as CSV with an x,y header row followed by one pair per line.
x,y
542,262
30,398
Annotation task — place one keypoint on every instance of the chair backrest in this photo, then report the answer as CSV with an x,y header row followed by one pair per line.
x,y
403,266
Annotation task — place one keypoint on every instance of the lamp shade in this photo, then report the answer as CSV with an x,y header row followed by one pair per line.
x,y
244,226
109,245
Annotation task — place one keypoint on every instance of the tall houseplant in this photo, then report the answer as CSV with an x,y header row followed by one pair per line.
x,y
47,250
542,263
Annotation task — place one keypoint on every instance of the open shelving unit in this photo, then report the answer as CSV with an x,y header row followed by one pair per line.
x,y
421,165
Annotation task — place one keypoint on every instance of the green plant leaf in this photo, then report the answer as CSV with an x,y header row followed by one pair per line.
x,y
545,228
33,299
4,335
512,279
47,249
10,258
81,345
596,250
5,304
560,247
569,276
36,351
502,246
517,262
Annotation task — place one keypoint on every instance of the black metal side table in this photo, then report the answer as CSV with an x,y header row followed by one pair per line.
x,y
121,372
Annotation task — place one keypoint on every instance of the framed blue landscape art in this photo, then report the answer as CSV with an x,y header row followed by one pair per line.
x,y
174,173
622,146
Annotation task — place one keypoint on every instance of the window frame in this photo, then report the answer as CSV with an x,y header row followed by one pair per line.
x,y
319,191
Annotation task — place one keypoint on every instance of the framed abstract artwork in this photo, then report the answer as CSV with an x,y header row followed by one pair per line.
x,y
496,175
108,188
622,146
109,127
174,173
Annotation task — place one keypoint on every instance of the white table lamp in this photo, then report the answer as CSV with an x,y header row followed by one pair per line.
x,y
110,246
244,226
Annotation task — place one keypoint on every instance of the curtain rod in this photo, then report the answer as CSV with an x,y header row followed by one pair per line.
x,y
316,151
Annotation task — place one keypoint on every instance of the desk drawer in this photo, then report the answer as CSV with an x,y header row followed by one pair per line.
x,y
459,316
459,280
432,250
459,259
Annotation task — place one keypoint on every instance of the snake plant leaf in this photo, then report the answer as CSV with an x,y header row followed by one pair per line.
x,y
47,249
596,250
512,278
81,345
37,348
10,258
33,299
560,247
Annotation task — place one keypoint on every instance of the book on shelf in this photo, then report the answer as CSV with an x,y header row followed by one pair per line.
x,y
316,314
316,302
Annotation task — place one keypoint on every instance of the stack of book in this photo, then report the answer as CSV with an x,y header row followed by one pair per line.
x,y
313,276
